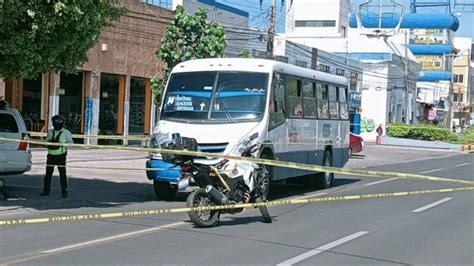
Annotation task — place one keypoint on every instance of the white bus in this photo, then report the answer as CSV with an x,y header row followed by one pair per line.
x,y
300,115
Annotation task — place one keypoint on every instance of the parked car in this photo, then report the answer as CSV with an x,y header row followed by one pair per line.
x,y
356,143
15,157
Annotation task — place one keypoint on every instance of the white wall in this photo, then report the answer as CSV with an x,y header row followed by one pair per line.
x,y
374,98
317,10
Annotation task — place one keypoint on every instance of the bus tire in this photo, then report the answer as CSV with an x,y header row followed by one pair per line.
x,y
164,190
325,179
321,180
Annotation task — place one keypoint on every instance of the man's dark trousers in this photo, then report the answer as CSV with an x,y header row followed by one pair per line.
x,y
60,162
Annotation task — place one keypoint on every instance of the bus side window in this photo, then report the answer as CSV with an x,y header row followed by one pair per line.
x,y
343,107
309,99
322,100
333,103
295,100
277,100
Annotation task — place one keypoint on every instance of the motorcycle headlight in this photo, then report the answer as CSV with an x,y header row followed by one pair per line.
x,y
152,142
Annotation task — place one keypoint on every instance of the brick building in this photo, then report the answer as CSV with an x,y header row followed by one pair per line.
x,y
110,94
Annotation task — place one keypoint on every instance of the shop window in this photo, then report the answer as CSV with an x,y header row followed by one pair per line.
x,y
137,106
70,100
31,107
340,72
108,104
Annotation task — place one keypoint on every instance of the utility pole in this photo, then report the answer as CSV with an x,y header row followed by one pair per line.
x,y
271,30
449,67
407,95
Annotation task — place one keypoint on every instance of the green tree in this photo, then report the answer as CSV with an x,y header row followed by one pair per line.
x,y
41,35
187,37
244,53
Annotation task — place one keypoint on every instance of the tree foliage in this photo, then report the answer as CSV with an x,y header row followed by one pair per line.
x,y
187,37
40,35
244,53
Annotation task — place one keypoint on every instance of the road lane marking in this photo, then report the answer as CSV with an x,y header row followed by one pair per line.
x,y
381,181
431,171
434,204
441,169
110,238
462,164
320,249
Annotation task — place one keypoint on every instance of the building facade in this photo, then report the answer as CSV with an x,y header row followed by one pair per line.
x,y
309,20
109,94
387,94
461,81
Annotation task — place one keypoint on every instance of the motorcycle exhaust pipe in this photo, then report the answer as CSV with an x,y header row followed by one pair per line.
x,y
216,195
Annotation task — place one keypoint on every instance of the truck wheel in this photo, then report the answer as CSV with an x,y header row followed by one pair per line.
x,y
164,190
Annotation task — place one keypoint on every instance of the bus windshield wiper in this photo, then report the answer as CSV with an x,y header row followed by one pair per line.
x,y
221,104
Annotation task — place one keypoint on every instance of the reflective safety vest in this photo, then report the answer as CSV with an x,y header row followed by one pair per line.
x,y
58,136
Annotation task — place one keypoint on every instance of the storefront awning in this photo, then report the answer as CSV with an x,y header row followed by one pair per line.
x,y
409,21
433,76
430,49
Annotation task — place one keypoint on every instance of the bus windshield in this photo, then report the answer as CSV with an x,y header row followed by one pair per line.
x,y
215,96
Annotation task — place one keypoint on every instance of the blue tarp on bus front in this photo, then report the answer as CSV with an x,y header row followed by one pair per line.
x,y
434,75
409,21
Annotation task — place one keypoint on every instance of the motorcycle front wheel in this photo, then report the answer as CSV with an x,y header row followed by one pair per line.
x,y
199,198
267,218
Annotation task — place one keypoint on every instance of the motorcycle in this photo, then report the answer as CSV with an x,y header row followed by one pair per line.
x,y
225,182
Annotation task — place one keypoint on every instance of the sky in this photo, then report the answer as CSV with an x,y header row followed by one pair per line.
x,y
258,16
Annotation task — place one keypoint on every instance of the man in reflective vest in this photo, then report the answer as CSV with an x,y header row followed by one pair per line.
x,y
57,155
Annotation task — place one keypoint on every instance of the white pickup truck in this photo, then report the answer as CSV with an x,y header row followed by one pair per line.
x,y
15,156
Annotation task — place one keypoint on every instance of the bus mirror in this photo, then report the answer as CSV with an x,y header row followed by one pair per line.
x,y
279,93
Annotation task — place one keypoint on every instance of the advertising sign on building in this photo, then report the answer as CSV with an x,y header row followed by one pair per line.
x,y
354,99
430,62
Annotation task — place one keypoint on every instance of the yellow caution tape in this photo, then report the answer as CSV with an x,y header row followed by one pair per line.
x,y
84,136
300,166
89,167
125,214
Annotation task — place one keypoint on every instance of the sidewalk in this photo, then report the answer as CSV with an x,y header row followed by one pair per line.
x,y
376,155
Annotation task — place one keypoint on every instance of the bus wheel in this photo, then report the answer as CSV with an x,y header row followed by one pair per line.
x,y
164,190
323,179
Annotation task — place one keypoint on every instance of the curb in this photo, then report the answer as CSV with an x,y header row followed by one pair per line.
x,y
405,142
468,147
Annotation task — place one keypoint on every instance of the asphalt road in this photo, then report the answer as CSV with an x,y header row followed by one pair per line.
x,y
426,229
